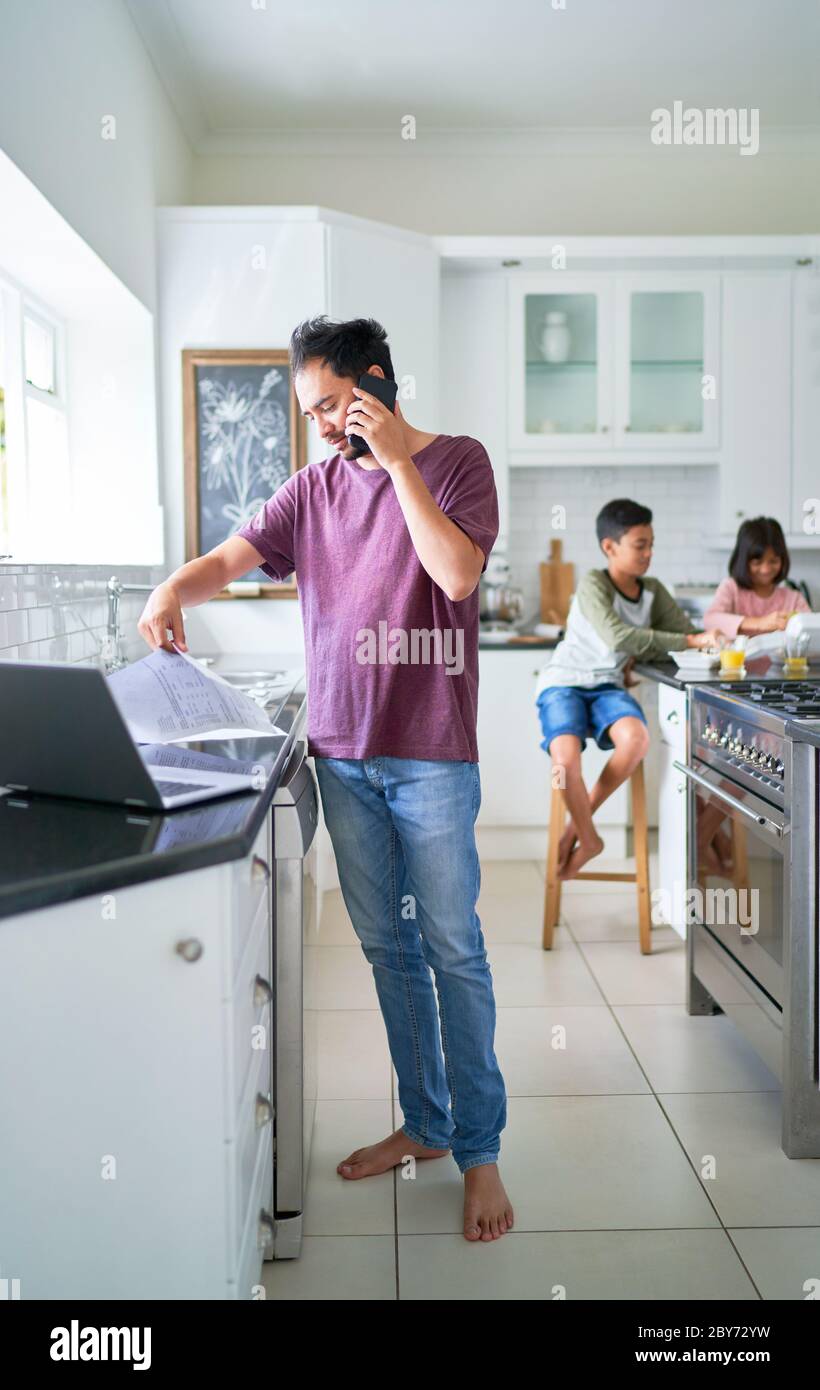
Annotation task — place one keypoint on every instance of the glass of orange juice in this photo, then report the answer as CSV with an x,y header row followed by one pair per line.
x,y
732,659
796,661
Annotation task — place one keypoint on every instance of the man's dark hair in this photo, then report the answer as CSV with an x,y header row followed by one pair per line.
x,y
349,349
618,516
756,536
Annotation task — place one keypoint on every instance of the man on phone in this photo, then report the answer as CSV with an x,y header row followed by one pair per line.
x,y
388,546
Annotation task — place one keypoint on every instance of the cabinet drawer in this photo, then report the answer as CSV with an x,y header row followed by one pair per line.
x,y
251,1003
251,1252
254,1129
672,714
250,886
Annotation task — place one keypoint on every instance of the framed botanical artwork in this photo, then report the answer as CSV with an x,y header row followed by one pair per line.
x,y
243,437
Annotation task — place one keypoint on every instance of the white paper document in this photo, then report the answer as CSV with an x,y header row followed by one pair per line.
x,y
168,697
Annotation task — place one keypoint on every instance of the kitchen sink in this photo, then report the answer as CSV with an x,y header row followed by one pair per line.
x,y
265,687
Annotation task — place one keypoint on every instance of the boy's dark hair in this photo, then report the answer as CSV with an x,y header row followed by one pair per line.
x,y
349,349
618,516
755,536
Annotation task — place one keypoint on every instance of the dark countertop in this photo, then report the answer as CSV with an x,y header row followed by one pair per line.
x,y
53,850
759,668
525,638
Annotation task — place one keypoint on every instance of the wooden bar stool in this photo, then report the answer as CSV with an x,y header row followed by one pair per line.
x,y
552,891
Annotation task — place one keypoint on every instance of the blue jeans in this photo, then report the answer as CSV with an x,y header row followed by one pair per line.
x,y
402,830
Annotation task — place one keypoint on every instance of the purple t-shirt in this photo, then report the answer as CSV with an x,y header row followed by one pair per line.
x,y
392,662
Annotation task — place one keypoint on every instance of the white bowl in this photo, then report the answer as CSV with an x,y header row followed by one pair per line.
x,y
694,659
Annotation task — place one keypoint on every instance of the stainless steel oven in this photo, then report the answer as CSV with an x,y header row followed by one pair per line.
x,y
737,887
751,900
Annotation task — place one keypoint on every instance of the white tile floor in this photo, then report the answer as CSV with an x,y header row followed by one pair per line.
x,y
642,1159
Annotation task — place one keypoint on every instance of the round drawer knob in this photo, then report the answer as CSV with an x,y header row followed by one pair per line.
x,y
191,949
262,992
265,1231
260,873
264,1111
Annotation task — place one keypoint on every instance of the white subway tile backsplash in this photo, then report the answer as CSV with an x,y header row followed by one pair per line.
x,y
60,613
17,624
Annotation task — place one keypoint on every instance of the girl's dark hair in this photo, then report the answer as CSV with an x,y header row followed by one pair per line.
x,y
349,349
619,516
759,534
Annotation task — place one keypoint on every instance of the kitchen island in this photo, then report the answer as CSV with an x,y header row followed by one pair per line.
x,y
151,998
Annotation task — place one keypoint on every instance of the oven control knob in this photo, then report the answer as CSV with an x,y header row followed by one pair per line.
x,y
779,768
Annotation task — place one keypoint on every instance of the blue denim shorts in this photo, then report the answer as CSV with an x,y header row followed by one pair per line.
x,y
586,711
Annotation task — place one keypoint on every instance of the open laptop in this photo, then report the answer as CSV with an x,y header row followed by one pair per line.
x,y
62,734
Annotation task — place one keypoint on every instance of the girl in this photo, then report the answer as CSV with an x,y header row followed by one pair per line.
x,y
754,598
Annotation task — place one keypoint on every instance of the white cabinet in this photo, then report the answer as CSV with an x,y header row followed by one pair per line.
x,y
515,770
393,276
805,517
138,1115
613,364
473,390
667,361
755,386
669,891
560,362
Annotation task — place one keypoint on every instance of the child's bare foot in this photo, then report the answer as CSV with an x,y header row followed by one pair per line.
x,y
586,849
488,1212
709,862
723,849
565,847
388,1153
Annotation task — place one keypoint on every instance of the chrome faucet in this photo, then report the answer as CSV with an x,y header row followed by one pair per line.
x,y
111,652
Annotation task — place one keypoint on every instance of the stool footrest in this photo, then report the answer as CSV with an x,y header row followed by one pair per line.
x,y
607,878
553,885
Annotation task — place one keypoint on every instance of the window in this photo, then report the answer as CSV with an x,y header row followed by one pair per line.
x,y
35,475
39,352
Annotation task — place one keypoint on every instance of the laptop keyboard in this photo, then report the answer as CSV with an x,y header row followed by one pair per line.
x,y
174,788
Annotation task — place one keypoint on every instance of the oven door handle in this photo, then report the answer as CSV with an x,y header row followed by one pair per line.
x,y
760,821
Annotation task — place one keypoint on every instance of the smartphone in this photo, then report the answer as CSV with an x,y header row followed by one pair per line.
x,y
385,391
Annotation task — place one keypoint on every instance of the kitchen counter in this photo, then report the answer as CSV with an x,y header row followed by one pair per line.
x,y
524,638
804,732
759,668
53,850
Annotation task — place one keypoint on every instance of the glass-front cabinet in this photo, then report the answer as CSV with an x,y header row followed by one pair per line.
x,y
666,361
613,363
560,362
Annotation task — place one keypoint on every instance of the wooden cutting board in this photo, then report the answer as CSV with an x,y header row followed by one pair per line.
x,y
557,585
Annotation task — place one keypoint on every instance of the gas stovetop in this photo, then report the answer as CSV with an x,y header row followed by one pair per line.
x,y
792,699
742,729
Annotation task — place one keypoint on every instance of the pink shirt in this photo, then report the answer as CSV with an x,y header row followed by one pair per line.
x,y
731,605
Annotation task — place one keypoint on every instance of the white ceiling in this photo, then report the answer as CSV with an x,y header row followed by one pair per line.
x,y
252,68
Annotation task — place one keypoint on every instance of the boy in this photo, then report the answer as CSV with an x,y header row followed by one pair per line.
x,y
615,615
397,536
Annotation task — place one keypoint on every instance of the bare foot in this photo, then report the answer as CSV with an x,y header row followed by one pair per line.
x,y
565,847
379,1158
722,846
586,849
709,862
488,1212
